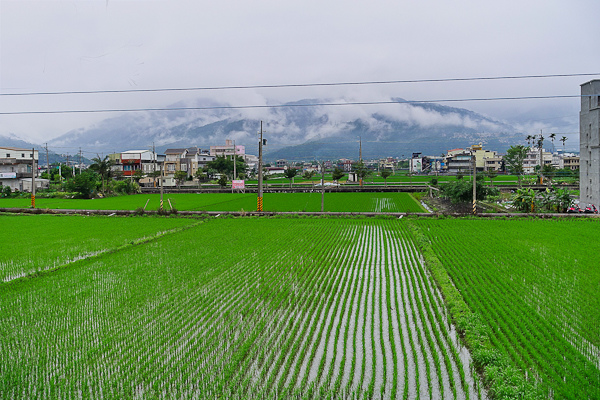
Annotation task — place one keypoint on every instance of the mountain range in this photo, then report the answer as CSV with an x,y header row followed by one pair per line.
x,y
303,130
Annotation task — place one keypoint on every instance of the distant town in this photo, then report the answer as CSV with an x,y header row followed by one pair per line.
x,y
149,167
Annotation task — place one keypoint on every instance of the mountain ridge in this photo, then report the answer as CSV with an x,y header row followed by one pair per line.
x,y
303,129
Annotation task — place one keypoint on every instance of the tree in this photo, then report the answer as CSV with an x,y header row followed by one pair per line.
x,y
385,173
137,175
563,139
180,177
337,174
290,173
224,165
514,158
552,137
461,191
222,181
103,167
361,170
84,184
492,174
200,175
308,175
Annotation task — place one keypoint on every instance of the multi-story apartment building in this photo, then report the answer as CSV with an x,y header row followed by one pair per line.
x,y
129,162
16,166
533,160
589,142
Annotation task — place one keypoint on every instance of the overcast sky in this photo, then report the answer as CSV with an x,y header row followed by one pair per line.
x,y
110,45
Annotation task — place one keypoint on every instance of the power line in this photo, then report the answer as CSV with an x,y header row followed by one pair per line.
x,y
298,85
292,105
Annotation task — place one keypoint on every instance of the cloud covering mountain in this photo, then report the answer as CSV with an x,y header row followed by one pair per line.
x,y
299,130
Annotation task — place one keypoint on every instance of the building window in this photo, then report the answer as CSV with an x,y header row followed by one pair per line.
x,y
7,155
22,155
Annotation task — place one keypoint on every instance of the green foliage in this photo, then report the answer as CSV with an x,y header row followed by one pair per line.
x,y
461,191
308,175
103,167
514,158
361,170
337,174
180,177
84,184
492,174
224,165
5,191
290,173
124,187
137,175
385,173
524,200
222,181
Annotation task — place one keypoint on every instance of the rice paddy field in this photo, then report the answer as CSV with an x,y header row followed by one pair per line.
x,y
537,285
334,202
294,308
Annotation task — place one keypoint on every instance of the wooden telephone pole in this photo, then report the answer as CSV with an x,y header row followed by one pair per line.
x,y
259,205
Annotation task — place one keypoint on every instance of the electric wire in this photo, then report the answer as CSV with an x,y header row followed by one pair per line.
x,y
290,105
299,85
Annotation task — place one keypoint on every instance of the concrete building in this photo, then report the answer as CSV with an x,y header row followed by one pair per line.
x,y
532,160
228,150
461,160
589,144
15,165
129,162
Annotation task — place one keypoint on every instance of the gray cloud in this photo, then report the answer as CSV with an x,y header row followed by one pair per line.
x,y
95,45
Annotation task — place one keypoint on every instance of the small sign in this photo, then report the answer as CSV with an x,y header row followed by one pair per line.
x,y
238,184
8,175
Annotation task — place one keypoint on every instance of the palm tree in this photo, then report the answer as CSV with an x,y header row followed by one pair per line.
x,y
103,166
563,139
529,138
552,137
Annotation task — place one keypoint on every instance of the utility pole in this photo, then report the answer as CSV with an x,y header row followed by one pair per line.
x,y
360,156
234,162
154,159
33,167
80,160
259,205
474,182
162,178
322,186
47,163
540,143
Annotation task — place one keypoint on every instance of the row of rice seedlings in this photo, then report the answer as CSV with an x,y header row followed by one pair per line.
x,y
339,363
295,339
286,380
338,319
308,352
444,343
432,326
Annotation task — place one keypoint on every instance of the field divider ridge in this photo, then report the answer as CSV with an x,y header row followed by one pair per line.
x,y
100,253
